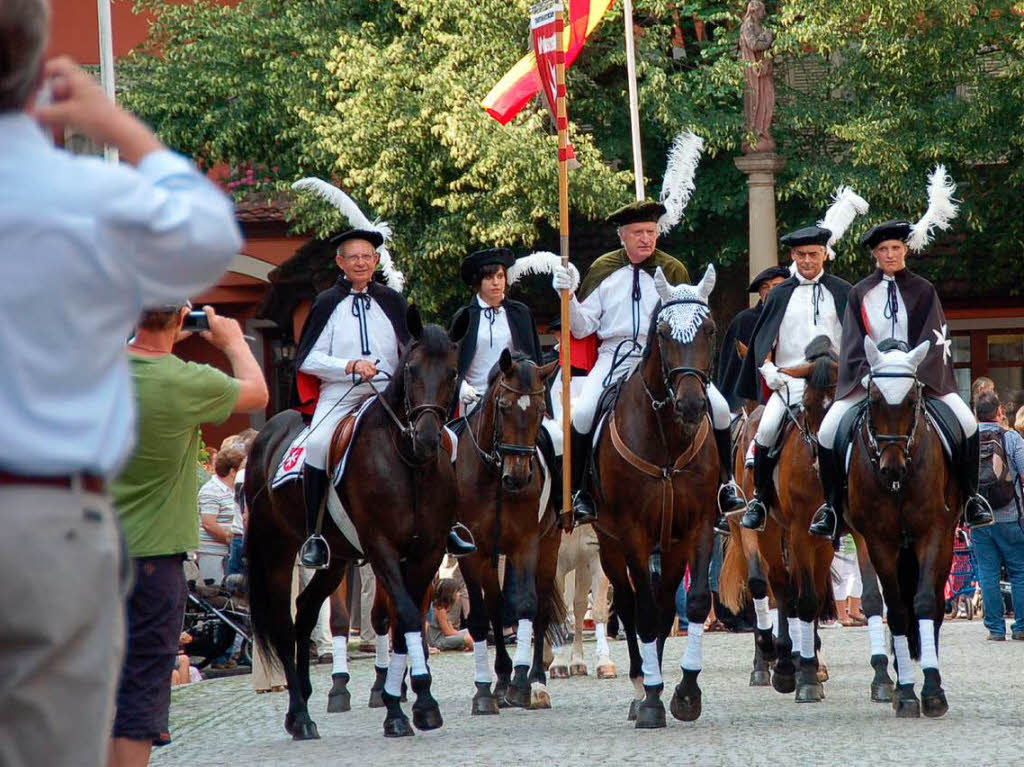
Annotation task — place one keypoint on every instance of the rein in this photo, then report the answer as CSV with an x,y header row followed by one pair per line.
x,y
414,412
877,443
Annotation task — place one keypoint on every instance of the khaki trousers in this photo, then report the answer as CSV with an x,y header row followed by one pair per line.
x,y
62,592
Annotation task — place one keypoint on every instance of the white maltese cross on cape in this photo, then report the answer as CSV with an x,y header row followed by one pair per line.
x,y
903,364
685,319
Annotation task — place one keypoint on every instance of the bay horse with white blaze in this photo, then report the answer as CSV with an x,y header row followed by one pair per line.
x,y
399,490
657,481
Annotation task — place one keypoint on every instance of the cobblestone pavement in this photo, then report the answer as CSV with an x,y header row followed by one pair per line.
x,y
223,722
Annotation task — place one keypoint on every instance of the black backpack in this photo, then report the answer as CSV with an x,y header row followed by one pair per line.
x,y
996,479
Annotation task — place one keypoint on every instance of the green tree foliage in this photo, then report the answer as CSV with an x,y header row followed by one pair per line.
x,y
382,96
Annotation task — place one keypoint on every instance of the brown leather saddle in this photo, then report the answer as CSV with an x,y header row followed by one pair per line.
x,y
342,437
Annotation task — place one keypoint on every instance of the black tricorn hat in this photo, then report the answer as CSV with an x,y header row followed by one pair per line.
x,y
635,212
809,235
768,274
472,263
887,230
374,238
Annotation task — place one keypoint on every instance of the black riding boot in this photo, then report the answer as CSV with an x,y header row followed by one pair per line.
x,y
456,545
977,512
756,514
315,553
583,509
825,521
728,498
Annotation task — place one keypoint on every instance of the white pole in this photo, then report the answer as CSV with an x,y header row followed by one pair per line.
x,y
634,107
107,63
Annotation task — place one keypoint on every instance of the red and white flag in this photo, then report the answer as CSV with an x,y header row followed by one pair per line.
x,y
546,30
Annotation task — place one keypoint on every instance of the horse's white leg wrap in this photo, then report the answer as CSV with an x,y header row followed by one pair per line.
x,y
806,640
396,670
794,634
876,632
693,657
774,614
721,418
903,665
383,648
417,660
929,652
339,649
764,618
651,666
524,633
483,668
601,635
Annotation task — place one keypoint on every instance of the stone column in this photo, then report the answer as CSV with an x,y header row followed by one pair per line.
x,y
761,168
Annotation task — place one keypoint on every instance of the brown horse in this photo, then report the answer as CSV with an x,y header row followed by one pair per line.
x,y
501,488
657,495
399,491
904,502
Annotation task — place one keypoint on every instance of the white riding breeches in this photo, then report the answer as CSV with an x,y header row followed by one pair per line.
x,y
830,424
331,407
774,414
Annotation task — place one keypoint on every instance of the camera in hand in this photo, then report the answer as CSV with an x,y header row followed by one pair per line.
x,y
196,320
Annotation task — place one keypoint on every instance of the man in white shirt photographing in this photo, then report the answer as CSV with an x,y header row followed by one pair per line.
x,y
86,245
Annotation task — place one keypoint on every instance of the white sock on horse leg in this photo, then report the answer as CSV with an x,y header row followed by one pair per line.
x,y
693,656
904,669
483,668
876,632
651,666
794,634
764,618
396,671
601,635
929,653
774,614
339,647
417,659
524,633
806,640
383,647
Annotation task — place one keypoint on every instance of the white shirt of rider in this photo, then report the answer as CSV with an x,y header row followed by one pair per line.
x,y
341,341
493,335
608,310
880,323
800,325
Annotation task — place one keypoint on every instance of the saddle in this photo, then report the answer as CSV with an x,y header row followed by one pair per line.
x,y
605,404
341,438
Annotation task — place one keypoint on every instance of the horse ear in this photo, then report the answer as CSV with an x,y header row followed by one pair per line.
x,y
707,283
546,371
459,327
918,353
798,371
661,285
414,322
871,353
505,361
741,349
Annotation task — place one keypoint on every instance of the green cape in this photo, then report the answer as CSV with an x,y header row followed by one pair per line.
x,y
675,270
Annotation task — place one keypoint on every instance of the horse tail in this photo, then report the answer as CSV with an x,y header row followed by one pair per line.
x,y
732,581
907,574
557,633
827,609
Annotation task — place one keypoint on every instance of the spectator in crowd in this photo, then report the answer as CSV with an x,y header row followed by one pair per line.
x,y
981,384
155,499
1018,423
86,244
217,511
240,521
847,584
441,632
184,672
1001,544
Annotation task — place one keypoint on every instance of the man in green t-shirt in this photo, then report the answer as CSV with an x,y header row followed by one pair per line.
x,y
155,498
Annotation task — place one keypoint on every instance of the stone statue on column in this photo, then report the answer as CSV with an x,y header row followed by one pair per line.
x,y
759,93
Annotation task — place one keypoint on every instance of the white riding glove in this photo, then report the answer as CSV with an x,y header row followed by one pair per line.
x,y
774,379
565,278
467,394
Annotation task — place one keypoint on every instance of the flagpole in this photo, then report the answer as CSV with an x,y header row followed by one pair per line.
x,y
107,63
634,105
562,123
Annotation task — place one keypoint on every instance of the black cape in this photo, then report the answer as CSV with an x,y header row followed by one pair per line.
x,y
520,324
925,322
766,332
729,360
392,302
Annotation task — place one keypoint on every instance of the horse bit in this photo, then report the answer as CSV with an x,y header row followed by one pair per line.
x,y
879,442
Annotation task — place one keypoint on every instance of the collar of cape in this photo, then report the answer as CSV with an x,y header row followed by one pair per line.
x,y
675,271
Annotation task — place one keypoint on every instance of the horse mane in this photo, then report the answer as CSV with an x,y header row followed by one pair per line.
x,y
822,355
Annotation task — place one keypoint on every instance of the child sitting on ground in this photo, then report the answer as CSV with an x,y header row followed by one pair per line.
x,y
441,634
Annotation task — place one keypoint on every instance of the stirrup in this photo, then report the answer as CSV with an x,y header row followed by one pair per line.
x,y
583,513
752,522
820,519
467,547
737,493
985,512
306,555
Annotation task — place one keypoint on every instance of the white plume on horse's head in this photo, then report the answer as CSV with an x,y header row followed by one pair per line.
x,y
894,361
686,317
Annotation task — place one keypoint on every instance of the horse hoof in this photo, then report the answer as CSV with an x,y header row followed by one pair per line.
x,y
558,672
578,669
905,702
784,683
633,706
539,697
485,705
686,708
822,673
809,693
397,727
606,671
518,697
760,678
427,718
376,699
305,730
934,705
339,702
650,716
881,692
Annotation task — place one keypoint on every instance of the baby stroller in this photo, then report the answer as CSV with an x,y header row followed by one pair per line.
x,y
963,594
214,616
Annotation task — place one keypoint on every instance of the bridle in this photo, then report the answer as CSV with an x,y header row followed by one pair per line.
x,y
878,443
499,448
669,375
414,413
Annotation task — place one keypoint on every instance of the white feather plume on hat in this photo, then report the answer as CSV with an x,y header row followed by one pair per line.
x,y
357,220
846,206
942,209
541,262
678,185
